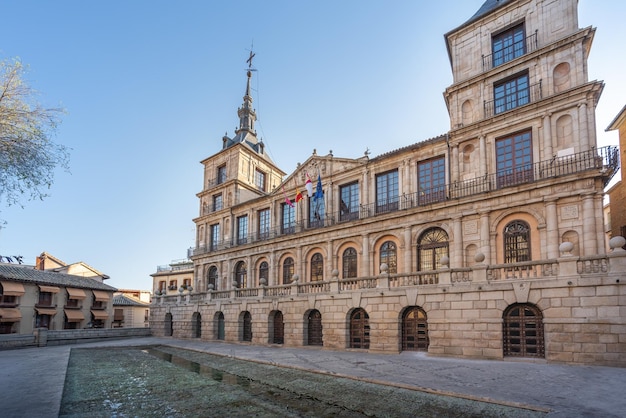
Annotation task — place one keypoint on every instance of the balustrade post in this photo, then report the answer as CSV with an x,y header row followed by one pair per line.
x,y
479,275
617,256
567,262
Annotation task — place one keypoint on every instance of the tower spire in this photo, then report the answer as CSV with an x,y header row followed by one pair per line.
x,y
246,113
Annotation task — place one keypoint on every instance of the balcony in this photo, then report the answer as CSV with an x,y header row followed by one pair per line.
x,y
521,98
431,281
604,160
531,45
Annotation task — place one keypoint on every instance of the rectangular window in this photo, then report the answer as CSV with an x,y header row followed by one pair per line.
x,y
173,285
242,229
387,192
45,299
288,219
215,237
514,159
511,93
508,45
264,224
162,285
217,202
259,180
221,174
349,202
316,212
431,181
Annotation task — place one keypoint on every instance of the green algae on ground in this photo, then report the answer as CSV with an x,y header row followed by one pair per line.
x,y
132,382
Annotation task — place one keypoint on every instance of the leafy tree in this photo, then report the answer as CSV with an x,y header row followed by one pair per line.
x,y
28,155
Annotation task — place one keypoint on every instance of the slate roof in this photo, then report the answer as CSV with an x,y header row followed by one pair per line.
x,y
28,274
123,300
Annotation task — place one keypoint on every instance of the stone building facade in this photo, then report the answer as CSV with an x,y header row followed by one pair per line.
x,y
485,242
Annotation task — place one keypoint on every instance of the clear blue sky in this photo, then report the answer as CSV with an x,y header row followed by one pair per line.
x,y
151,86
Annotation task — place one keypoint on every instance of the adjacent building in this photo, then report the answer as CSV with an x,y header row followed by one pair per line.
x,y
131,309
32,298
617,193
487,241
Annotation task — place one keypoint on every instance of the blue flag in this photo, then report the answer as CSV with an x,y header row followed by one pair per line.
x,y
319,193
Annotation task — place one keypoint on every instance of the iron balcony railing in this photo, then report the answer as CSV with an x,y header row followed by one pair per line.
x,y
605,160
531,44
509,102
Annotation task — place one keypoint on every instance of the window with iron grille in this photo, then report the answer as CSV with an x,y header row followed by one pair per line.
x,y
508,45
215,236
242,229
514,159
387,192
212,277
241,274
431,246
516,242
388,255
349,261
288,268
431,181
259,180
264,223
349,204
217,202
288,221
221,174
317,267
511,93
264,272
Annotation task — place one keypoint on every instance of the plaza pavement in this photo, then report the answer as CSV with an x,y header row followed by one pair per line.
x,y
32,379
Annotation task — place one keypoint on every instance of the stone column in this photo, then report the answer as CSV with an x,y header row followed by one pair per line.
x,y
484,237
454,164
583,127
482,144
407,249
590,242
365,256
249,273
547,136
552,228
456,260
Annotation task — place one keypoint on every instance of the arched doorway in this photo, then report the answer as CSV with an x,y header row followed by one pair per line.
x,y
196,325
359,329
246,326
523,331
277,328
314,328
220,329
169,327
414,330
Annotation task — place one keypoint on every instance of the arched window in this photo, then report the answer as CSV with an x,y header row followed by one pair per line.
x,y
431,246
212,278
288,270
264,273
241,274
516,242
389,256
523,331
317,267
349,263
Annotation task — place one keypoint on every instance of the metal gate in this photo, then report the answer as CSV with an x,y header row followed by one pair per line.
x,y
414,330
359,329
220,326
247,327
169,326
315,328
279,328
523,332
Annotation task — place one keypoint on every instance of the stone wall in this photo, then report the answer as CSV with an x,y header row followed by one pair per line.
x,y
42,337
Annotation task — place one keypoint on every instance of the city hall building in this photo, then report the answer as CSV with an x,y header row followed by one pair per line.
x,y
484,242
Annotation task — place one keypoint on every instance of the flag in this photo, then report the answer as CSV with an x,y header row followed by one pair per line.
x,y
319,193
299,196
308,185
289,202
